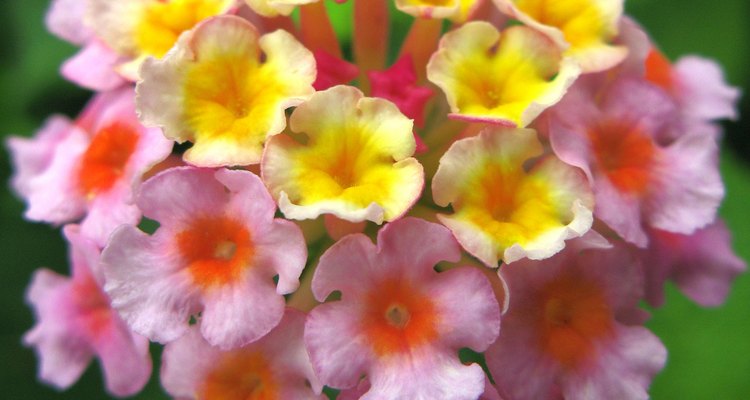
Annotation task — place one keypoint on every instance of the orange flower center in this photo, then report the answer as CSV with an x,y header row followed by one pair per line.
x,y
242,375
217,250
106,157
626,155
398,318
574,316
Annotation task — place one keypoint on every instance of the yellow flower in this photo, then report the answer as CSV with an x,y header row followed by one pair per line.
x,y
508,204
354,160
507,78
225,89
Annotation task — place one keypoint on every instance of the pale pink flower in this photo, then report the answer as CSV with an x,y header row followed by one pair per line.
x,y
571,330
613,132
213,257
399,322
75,323
275,367
88,168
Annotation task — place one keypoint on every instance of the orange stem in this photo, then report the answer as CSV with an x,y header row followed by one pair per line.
x,y
316,30
370,37
421,42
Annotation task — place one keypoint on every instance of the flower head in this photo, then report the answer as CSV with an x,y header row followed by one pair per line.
x,y
88,168
75,323
504,209
355,161
274,367
215,253
572,328
613,134
225,88
398,321
524,73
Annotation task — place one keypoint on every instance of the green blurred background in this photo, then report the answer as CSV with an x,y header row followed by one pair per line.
x,y
709,349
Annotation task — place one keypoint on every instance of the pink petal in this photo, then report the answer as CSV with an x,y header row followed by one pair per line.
x,y
31,156
689,187
331,333
53,194
145,285
189,361
125,360
472,322
418,244
398,84
641,103
282,250
332,71
348,254
108,211
65,19
625,369
173,187
186,362
242,313
432,374
702,264
703,91
93,67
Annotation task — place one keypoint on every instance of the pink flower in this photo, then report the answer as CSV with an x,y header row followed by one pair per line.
x,y
569,331
399,322
88,168
702,264
613,133
274,367
215,253
75,323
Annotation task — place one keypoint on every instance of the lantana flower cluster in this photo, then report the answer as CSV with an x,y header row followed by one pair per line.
x,y
296,215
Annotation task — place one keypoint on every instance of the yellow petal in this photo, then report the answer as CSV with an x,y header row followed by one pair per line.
x,y
137,29
522,73
274,8
583,27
